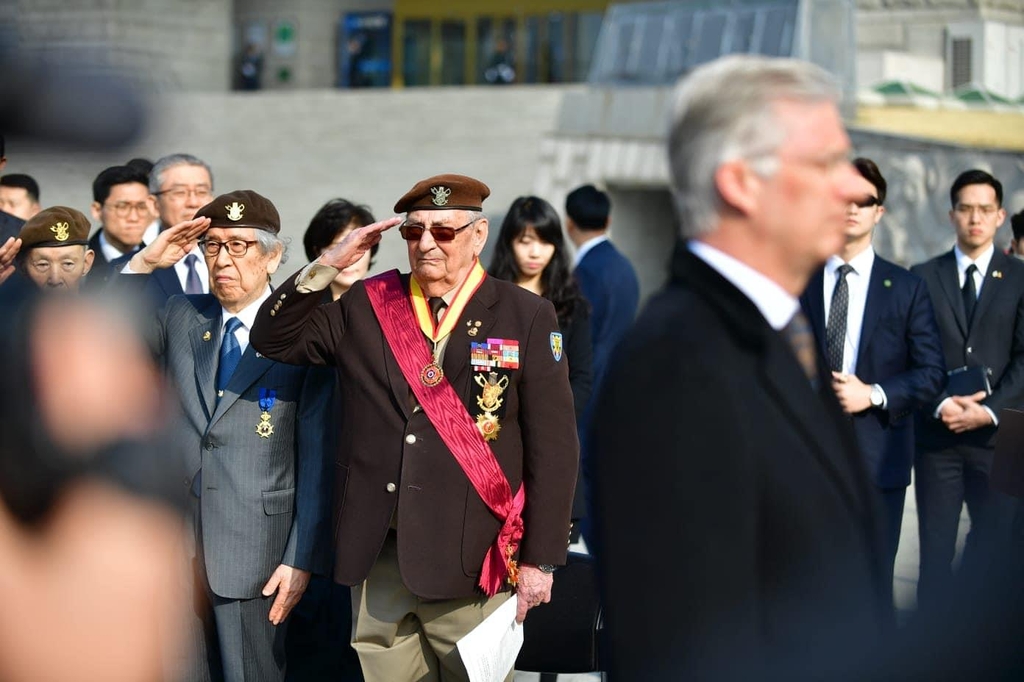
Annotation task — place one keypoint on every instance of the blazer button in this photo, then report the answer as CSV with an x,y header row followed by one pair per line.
x,y
391,487
410,439
969,350
187,481
209,445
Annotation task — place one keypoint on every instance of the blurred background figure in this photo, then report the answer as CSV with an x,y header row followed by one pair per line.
x,y
10,224
318,644
501,65
530,251
250,68
19,195
89,558
332,222
122,205
1017,244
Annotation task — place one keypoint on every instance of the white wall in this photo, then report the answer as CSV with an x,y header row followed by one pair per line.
x,y
875,66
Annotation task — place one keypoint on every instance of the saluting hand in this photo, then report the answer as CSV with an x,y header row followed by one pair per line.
x,y
8,251
534,589
289,583
357,242
169,247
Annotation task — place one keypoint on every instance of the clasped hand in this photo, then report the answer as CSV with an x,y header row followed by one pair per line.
x,y
961,413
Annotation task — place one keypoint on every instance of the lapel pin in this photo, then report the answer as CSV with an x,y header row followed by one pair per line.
x,y
207,336
259,355
887,283
997,274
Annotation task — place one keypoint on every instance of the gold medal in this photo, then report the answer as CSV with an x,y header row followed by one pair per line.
x,y
265,429
432,374
488,425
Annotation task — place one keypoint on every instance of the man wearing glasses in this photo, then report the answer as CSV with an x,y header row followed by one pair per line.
x,y
978,294
180,184
122,205
458,449
253,440
876,329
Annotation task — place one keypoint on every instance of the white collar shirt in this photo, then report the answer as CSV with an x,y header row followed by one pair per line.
x,y
857,282
962,263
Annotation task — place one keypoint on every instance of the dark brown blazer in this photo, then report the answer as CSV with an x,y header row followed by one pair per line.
x,y
391,460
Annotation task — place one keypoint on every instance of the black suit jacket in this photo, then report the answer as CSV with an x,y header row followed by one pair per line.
x,y
995,340
10,226
739,537
899,350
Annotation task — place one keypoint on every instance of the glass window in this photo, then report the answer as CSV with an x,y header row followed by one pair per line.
x,y
416,52
709,38
559,70
496,42
453,53
588,26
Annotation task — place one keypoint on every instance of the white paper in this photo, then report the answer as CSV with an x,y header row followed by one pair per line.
x,y
489,651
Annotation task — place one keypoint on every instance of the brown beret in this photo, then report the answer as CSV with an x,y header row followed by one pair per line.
x,y
242,208
441,192
55,226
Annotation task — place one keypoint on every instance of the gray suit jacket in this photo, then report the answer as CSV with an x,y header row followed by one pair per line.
x,y
265,501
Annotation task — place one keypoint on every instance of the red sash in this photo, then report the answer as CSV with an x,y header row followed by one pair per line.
x,y
457,429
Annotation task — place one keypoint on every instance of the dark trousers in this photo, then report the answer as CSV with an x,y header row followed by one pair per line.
x,y
893,501
319,638
945,479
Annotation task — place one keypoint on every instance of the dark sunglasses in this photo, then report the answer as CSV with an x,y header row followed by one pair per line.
x,y
867,201
412,232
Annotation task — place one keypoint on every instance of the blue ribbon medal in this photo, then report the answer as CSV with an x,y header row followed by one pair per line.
x,y
267,398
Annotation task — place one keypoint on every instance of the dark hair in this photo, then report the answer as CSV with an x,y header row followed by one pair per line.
x,y
588,207
557,282
26,182
869,171
330,221
975,177
115,175
144,166
1017,224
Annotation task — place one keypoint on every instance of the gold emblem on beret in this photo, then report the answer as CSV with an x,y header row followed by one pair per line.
x,y
61,230
235,210
441,195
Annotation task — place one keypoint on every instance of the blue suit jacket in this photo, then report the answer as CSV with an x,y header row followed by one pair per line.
x,y
610,285
901,351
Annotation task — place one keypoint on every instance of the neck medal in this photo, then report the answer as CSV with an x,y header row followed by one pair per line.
x,y
437,330
267,398
489,401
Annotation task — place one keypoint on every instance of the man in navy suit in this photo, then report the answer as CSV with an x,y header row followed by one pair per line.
x,y
875,325
607,279
10,225
978,294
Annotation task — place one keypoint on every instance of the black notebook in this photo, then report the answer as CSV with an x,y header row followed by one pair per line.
x,y
968,381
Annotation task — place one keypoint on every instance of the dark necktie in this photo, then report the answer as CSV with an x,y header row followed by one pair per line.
x,y
801,339
230,354
969,293
193,285
436,304
835,330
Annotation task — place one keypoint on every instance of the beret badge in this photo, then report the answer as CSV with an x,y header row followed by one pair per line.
x,y
235,211
440,195
61,230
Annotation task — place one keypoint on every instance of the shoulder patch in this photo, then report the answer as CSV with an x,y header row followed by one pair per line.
x,y
556,346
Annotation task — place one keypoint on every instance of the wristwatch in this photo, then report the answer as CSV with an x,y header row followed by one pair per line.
x,y
547,568
877,397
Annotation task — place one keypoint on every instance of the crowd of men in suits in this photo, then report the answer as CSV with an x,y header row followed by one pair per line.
x,y
747,453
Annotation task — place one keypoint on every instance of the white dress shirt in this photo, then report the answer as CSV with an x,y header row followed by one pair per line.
x,y
983,261
775,303
857,283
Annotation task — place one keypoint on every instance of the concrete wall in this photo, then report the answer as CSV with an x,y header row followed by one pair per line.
x,y
302,148
876,66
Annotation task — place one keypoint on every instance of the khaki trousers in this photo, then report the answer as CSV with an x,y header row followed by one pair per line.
x,y
402,638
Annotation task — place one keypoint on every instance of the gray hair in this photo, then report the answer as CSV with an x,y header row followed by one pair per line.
x,y
722,112
270,243
163,164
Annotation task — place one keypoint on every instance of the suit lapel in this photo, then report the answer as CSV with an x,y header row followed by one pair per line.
x,y
990,289
250,368
205,339
814,307
949,281
168,281
877,300
456,353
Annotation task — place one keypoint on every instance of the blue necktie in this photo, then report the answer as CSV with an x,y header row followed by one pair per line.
x,y
230,354
193,284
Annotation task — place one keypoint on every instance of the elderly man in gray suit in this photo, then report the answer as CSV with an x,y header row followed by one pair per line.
x,y
253,434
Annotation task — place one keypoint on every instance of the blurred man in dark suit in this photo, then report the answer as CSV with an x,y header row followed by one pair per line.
x,y
10,225
874,324
121,203
738,527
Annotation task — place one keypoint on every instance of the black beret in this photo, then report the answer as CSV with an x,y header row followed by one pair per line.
x,y
55,226
441,192
242,208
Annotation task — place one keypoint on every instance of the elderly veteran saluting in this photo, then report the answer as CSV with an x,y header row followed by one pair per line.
x,y
252,431
457,455
52,251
